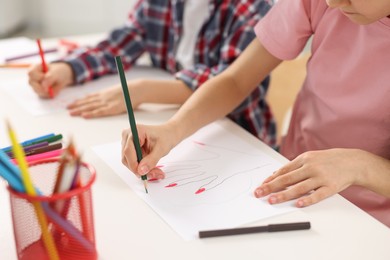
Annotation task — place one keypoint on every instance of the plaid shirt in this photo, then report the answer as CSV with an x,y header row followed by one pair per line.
x,y
155,27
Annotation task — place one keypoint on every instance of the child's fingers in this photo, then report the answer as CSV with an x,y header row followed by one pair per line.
x,y
37,87
36,76
156,174
149,160
49,80
289,167
84,108
97,112
82,101
129,158
281,182
318,195
293,192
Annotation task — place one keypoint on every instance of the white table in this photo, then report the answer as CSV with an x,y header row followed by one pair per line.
x,y
126,228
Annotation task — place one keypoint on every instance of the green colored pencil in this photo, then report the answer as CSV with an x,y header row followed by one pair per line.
x,y
50,139
130,113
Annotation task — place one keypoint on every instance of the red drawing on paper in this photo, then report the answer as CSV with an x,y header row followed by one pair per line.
x,y
190,171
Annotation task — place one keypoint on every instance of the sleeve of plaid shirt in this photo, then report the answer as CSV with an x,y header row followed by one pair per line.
x,y
241,33
127,41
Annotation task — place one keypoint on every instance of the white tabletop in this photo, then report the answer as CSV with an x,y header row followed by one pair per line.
x,y
126,228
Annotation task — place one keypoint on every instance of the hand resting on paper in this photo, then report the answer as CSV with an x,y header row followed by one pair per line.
x,y
58,76
110,101
106,102
316,175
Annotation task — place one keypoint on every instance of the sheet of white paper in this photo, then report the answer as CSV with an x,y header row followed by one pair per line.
x,y
25,96
209,184
16,47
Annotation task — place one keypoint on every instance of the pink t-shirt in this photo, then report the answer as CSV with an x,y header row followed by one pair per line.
x,y
345,99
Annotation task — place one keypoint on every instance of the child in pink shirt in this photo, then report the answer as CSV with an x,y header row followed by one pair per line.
x,y
339,135
344,101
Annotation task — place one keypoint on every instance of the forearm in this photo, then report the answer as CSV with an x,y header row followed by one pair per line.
x,y
221,94
160,91
375,174
214,100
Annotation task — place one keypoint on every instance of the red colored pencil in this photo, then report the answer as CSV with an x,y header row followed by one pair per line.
x,y
44,66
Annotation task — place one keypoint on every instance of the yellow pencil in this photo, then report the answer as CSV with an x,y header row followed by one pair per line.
x,y
20,158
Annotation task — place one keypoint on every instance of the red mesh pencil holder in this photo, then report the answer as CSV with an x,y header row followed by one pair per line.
x,y
69,215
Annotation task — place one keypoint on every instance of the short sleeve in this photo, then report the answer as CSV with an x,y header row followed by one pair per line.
x,y
287,27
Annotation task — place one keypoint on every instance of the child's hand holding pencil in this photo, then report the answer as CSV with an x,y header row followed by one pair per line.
x,y
130,114
58,76
44,67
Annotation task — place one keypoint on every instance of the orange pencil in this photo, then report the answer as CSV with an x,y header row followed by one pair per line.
x,y
15,65
44,66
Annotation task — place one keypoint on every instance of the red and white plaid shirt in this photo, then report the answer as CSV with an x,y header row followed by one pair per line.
x,y
155,27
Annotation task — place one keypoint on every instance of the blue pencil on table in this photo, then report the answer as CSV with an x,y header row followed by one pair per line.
x,y
48,138
10,172
31,141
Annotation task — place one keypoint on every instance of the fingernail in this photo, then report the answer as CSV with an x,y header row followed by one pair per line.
x,y
272,199
300,203
160,176
259,193
144,170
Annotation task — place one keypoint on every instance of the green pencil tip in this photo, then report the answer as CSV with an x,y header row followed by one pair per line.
x,y
146,186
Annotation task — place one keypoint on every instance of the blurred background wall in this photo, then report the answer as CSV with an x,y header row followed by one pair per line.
x,y
51,18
